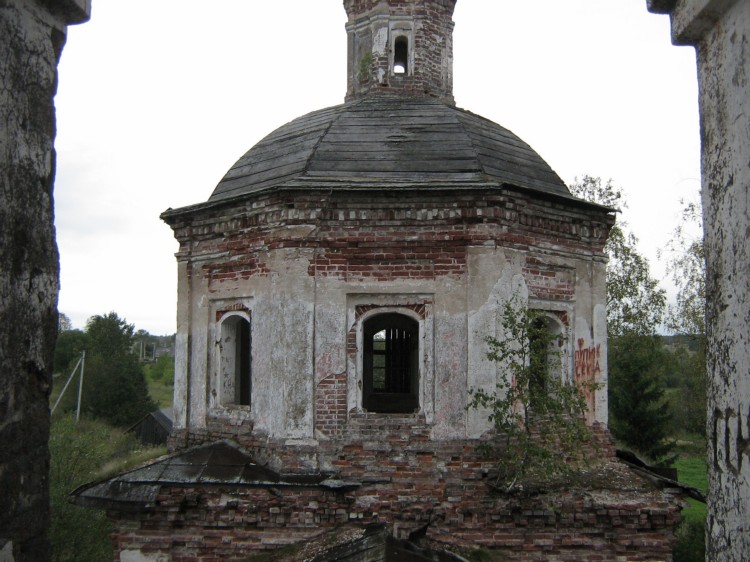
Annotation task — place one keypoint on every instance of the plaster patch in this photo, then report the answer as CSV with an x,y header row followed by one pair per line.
x,y
138,556
380,41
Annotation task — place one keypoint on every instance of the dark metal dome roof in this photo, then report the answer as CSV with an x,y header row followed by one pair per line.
x,y
389,141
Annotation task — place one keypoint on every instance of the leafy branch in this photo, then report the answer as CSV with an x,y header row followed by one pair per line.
x,y
536,412
365,68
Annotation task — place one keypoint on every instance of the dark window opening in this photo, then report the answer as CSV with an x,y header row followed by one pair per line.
x,y
236,353
243,378
401,55
390,364
539,342
545,358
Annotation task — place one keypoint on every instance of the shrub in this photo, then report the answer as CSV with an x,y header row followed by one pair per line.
x,y
77,453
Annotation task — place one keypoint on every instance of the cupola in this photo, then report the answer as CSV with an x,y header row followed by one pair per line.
x,y
403,46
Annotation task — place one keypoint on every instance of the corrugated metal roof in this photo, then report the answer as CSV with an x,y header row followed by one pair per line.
x,y
389,140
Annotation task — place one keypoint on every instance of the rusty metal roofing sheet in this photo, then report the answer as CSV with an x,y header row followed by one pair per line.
x,y
220,463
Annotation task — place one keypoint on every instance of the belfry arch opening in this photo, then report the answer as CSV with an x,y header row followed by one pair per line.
x,y
390,364
401,55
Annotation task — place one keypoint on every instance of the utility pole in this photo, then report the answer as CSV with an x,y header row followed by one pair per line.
x,y
70,378
80,387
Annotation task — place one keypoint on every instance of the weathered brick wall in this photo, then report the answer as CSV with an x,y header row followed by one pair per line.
x,y
431,43
32,35
549,281
331,406
607,513
355,239
414,235
201,525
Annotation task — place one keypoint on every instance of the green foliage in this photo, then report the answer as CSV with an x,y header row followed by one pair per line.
x,y
115,389
639,413
691,533
162,369
686,263
688,381
365,67
109,335
77,453
481,555
114,384
639,416
63,322
635,302
692,470
691,541
70,344
537,415
160,379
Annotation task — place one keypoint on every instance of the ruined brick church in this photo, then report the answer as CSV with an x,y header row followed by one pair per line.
x,y
335,294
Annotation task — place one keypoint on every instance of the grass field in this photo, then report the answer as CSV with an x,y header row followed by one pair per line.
x,y
160,380
691,470
161,391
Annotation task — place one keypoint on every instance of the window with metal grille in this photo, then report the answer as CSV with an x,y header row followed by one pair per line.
x,y
390,364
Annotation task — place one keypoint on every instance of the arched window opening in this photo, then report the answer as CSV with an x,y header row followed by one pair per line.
x,y
236,373
401,55
390,364
545,355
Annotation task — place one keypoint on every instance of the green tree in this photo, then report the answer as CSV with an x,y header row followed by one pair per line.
x,y
70,344
685,260
110,335
537,414
115,386
63,322
77,452
636,305
635,302
68,350
688,367
686,263
162,369
640,416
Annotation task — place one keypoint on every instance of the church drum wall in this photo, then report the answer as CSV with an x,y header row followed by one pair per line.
x,y
303,262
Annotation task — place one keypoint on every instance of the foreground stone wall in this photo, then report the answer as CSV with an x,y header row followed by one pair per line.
x,y
32,34
220,523
720,31
393,474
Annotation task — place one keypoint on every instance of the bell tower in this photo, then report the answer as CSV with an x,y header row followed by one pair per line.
x,y
400,46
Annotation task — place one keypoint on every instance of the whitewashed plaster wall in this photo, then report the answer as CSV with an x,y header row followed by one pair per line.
x,y
720,31
301,322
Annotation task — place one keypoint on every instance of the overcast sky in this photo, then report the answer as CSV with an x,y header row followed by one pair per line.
x,y
158,98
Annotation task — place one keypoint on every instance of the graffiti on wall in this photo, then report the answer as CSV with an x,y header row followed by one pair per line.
x,y
587,370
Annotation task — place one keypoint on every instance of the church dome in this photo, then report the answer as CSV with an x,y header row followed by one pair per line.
x,y
389,141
